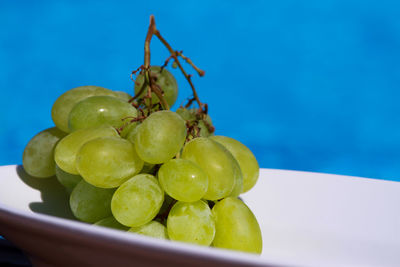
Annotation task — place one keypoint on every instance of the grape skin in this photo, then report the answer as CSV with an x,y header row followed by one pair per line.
x,y
68,147
183,180
122,95
137,201
152,229
89,203
246,159
64,103
38,156
160,137
95,111
165,80
107,162
69,181
111,222
217,163
191,222
236,226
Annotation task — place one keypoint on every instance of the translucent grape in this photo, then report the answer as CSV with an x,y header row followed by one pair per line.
x,y
98,110
218,164
89,203
160,137
137,201
38,157
66,150
111,222
191,222
247,161
64,104
183,180
69,181
236,226
186,114
203,123
165,80
122,95
107,162
153,229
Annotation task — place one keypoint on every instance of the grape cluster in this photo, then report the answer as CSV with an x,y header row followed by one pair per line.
x,y
154,172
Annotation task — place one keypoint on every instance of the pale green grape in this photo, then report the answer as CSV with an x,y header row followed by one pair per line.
x,y
98,110
64,104
247,161
38,157
189,115
218,164
153,229
238,188
130,131
204,130
183,180
66,150
165,80
186,114
107,162
89,203
236,226
123,95
137,201
69,181
160,137
128,128
191,222
111,222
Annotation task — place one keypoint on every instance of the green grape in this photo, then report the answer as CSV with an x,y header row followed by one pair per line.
x,y
238,188
137,201
189,115
247,161
218,164
204,130
111,222
123,95
98,110
186,114
130,131
107,162
236,226
153,229
38,157
66,150
89,203
165,80
183,180
130,136
64,104
160,137
191,222
69,181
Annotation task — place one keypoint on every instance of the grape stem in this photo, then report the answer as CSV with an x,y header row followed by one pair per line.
x,y
174,55
146,68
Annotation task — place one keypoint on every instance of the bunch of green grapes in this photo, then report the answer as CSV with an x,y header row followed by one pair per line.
x,y
153,172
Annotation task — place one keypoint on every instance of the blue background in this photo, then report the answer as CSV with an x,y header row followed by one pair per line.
x,y
307,85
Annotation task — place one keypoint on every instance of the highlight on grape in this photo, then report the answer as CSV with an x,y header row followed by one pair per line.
x,y
132,164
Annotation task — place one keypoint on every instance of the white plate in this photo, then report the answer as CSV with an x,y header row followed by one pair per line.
x,y
307,219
